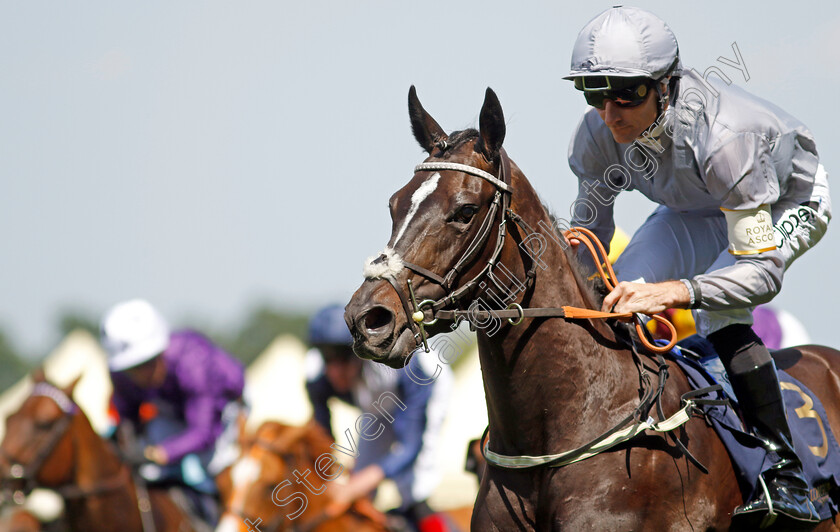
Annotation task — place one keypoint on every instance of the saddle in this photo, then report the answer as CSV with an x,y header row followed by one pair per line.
x,y
814,441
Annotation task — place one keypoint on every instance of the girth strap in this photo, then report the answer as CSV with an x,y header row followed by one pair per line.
x,y
618,434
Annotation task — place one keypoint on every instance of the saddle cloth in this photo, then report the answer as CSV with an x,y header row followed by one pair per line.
x,y
812,437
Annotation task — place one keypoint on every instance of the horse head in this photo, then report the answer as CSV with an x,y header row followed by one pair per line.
x,y
37,449
263,483
448,238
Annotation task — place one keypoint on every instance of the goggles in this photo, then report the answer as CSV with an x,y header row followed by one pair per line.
x,y
624,92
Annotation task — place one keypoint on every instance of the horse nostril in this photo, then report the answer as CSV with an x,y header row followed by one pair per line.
x,y
377,317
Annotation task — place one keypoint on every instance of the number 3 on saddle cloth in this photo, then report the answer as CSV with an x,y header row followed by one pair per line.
x,y
813,440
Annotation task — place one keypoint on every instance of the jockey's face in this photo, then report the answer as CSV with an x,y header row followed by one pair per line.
x,y
341,366
148,375
628,123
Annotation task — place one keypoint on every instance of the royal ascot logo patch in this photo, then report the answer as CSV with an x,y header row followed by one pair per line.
x,y
750,230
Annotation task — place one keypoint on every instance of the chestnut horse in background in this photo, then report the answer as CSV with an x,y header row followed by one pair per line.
x,y
20,521
49,443
551,384
261,487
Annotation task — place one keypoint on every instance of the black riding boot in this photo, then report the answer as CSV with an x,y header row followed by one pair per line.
x,y
782,498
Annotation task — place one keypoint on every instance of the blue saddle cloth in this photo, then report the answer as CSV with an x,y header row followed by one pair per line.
x,y
813,440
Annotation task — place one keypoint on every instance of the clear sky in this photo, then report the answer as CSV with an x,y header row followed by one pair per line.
x,y
213,155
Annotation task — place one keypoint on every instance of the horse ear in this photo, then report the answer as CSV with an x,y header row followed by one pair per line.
x,y
491,123
426,130
38,375
68,390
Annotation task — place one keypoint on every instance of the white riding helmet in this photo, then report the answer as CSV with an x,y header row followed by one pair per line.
x,y
132,333
625,42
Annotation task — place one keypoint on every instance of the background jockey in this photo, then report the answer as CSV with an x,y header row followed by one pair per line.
x,y
725,166
405,451
179,392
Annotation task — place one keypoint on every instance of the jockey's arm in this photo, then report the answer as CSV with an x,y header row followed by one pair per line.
x,y
319,391
719,289
200,417
409,425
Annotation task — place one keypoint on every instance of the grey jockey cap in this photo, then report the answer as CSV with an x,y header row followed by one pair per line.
x,y
625,42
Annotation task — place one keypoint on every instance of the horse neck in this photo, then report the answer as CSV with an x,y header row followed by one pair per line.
x,y
95,459
94,465
544,375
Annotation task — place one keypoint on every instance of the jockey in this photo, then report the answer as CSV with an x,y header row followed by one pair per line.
x,y
741,194
416,402
180,392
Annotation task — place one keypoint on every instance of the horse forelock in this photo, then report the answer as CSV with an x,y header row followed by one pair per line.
x,y
457,138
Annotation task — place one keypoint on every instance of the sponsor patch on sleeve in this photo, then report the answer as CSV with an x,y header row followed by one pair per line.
x,y
750,230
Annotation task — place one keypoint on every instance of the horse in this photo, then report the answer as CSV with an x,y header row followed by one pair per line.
x,y
261,491
463,245
20,521
50,443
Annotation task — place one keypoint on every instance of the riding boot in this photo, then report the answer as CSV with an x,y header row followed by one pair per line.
x,y
783,492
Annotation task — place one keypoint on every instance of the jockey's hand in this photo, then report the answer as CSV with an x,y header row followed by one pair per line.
x,y
646,298
360,484
156,454
571,241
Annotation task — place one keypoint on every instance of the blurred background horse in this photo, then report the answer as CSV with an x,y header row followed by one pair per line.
x,y
50,443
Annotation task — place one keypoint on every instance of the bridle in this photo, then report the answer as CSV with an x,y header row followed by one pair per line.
x,y
499,205
23,477
514,312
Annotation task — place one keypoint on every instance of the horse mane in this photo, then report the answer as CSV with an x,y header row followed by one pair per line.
x,y
593,287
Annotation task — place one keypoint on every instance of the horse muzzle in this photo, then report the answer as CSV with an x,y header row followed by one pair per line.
x,y
380,329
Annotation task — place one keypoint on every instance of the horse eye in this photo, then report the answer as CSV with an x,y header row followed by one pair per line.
x,y
465,213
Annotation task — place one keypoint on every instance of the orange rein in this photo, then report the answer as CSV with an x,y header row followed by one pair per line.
x,y
595,247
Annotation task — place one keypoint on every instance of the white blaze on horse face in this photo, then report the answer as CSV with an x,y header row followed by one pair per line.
x,y
243,473
392,264
230,523
423,191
